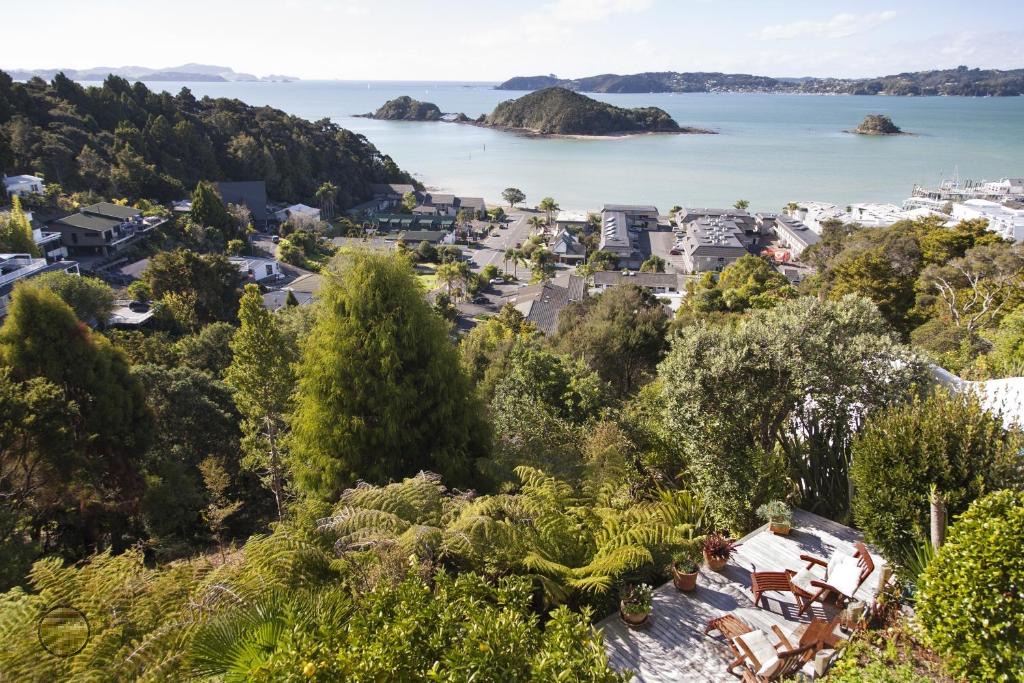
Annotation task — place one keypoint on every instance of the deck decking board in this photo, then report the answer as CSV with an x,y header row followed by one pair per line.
x,y
673,647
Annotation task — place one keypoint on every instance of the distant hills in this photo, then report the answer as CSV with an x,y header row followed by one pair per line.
x,y
185,72
958,81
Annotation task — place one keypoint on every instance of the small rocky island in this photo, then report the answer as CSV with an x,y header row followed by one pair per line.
x,y
877,124
560,111
405,108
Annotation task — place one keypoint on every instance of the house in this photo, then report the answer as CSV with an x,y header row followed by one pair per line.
x,y
542,304
424,210
711,244
567,248
252,194
17,267
127,313
639,216
444,203
22,185
657,283
414,237
388,196
103,229
298,211
305,289
474,206
794,235
1008,222
576,220
254,269
49,242
384,223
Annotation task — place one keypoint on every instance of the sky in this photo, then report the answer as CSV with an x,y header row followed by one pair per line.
x,y
491,40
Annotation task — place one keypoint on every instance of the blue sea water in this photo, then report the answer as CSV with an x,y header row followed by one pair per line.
x,y
770,149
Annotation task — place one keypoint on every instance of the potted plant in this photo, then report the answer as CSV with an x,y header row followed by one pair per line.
x,y
685,565
778,515
717,550
635,604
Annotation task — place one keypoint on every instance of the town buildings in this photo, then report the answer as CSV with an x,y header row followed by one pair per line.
x,y
1007,221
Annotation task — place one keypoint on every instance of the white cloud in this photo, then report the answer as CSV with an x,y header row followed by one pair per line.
x,y
555,22
588,11
841,25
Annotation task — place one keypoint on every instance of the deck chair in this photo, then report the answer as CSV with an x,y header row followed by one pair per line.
x,y
784,665
753,645
843,575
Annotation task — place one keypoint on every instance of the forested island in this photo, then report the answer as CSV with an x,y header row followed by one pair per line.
x,y
124,140
405,108
959,81
877,124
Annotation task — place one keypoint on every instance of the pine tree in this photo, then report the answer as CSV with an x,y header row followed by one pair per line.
x,y
208,209
16,231
261,375
381,394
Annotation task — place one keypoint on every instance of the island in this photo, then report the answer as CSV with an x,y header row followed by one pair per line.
x,y
559,111
877,124
961,81
405,108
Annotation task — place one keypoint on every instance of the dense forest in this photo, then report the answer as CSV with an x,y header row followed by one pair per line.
x,y
959,81
123,140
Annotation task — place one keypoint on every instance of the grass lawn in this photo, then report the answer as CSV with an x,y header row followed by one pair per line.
x,y
427,274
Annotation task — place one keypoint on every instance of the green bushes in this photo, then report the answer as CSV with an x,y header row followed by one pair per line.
x,y
947,440
971,596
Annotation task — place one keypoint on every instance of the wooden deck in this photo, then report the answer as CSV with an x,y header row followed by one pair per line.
x,y
672,646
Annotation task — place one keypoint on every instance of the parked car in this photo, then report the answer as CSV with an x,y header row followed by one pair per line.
x,y
275,239
480,300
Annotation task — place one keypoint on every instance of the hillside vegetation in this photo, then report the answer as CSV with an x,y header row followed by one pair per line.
x,y
124,140
958,81
560,111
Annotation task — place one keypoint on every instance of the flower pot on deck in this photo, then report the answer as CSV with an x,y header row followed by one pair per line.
x,y
684,581
780,527
715,564
632,618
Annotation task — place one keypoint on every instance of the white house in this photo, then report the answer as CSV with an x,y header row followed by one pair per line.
x,y
257,269
22,185
17,267
300,210
1007,222
572,219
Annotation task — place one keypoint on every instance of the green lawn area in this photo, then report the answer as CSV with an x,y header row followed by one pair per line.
x,y
427,274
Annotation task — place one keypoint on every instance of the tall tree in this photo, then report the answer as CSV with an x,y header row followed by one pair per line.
x,y
548,206
208,208
16,231
210,279
261,375
327,195
381,394
90,298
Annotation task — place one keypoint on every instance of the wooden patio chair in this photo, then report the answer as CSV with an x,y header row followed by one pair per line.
x,y
843,576
784,665
756,646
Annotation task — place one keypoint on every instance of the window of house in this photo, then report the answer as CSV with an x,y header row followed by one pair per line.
x,y
270,270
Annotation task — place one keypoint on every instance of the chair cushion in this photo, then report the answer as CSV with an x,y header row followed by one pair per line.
x,y
845,576
770,668
837,559
759,644
803,578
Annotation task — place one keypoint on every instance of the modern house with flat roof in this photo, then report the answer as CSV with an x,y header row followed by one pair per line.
x,y
572,219
17,267
252,194
254,269
615,237
103,229
1007,221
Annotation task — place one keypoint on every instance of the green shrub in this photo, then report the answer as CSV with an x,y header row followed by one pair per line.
x,y
947,440
971,597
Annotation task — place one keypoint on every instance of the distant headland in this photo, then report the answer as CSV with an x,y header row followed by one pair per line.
x,y
547,112
959,81
199,73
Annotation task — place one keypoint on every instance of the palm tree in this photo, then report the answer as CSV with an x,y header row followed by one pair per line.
x,y
326,194
741,204
509,255
448,273
534,222
548,206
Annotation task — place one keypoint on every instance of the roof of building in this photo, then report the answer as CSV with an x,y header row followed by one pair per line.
x,y
572,217
20,179
309,283
251,263
250,193
1002,396
300,210
614,230
92,222
391,189
610,278
632,208
425,210
688,215
796,230
278,299
713,234
108,210
134,270
564,242
542,304
423,235
473,202
125,315
441,198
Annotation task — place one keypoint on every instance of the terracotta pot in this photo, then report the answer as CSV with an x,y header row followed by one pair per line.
x,y
632,619
780,528
714,563
684,581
